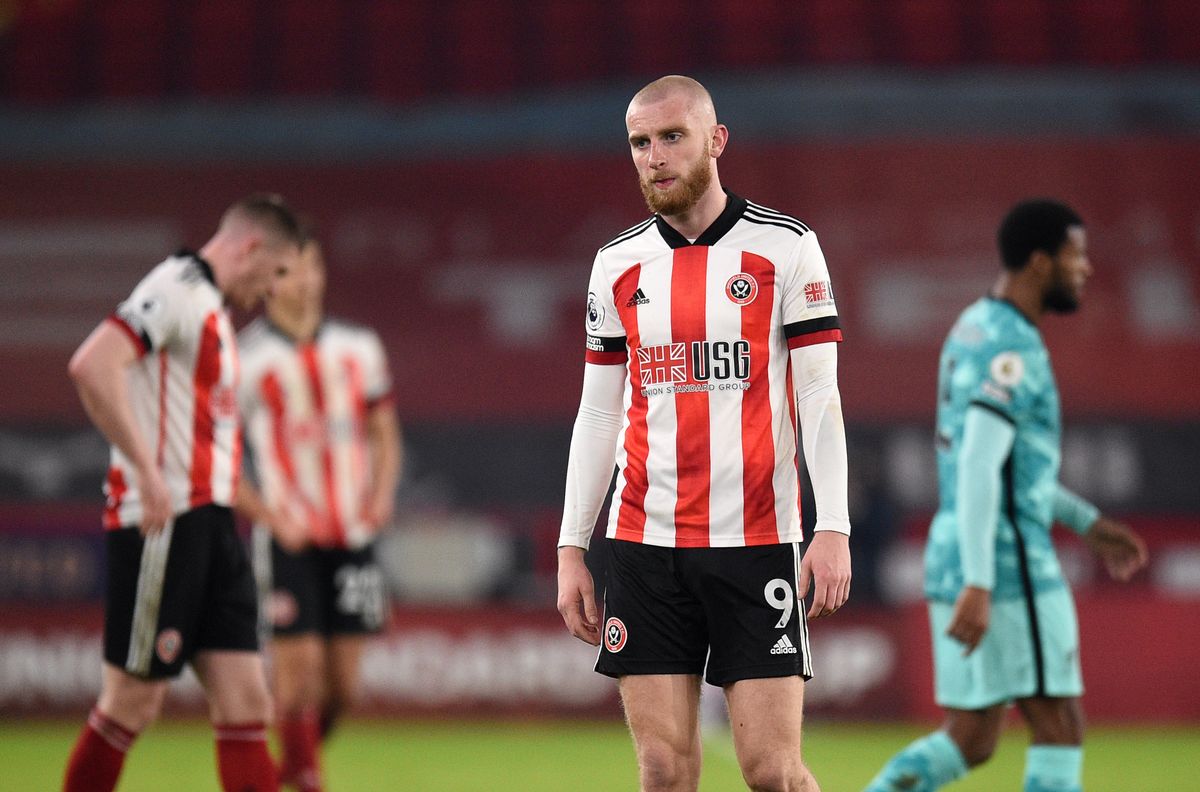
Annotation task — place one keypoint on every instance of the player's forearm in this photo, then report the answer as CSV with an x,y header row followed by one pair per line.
x,y
823,433
386,449
1073,511
986,442
593,453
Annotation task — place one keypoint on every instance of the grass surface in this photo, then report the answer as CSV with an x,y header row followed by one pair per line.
x,y
373,756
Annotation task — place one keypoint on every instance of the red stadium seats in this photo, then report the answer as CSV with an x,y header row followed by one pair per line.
x,y
839,31
1106,32
569,42
927,32
308,49
1018,32
44,46
398,42
132,42
482,51
221,58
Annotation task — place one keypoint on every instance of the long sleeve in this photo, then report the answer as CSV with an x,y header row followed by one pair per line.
x,y
819,409
986,442
593,451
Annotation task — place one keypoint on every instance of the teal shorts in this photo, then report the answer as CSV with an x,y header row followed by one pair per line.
x,y
1006,665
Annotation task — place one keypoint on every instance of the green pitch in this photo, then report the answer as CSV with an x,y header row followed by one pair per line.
x,y
385,756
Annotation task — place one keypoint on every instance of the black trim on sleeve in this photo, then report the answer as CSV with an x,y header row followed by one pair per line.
x,y
606,343
811,326
734,207
992,409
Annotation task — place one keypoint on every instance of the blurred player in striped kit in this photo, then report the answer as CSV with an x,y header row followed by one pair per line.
x,y
323,436
711,334
158,379
1003,619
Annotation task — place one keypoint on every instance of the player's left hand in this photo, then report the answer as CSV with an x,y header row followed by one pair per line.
x,y
1122,551
826,564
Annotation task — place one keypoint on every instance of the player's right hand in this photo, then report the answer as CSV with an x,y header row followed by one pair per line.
x,y
156,501
972,612
577,596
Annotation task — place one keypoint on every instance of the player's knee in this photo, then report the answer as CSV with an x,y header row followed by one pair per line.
x,y
775,772
664,768
135,707
978,750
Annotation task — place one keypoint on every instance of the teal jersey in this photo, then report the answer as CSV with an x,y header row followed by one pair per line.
x,y
994,357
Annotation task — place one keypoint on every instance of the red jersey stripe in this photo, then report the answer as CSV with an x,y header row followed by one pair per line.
x,y
312,366
693,435
116,492
206,375
272,393
819,337
605,358
759,523
631,518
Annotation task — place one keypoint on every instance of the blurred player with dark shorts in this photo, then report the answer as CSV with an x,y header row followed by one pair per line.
x,y
325,443
159,379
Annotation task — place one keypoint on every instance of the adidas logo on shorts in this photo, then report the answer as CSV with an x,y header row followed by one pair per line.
x,y
783,646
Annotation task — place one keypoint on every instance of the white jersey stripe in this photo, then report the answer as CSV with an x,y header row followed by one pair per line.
x,y
147,600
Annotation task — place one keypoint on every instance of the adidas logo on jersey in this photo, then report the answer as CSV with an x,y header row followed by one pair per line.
x,y
639,298
783,646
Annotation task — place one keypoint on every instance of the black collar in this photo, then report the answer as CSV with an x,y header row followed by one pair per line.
x,y
734,206
1013,306
205,267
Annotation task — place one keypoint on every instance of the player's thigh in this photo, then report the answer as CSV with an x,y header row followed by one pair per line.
x,y
663,713
765,717
298,668
344,667
236,686
1053,720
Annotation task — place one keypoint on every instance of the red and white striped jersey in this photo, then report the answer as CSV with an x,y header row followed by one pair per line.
x,y
707,452
183,390
305,406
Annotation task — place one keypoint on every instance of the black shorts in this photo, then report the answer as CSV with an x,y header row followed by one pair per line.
x,y
728,612
190,588
328,591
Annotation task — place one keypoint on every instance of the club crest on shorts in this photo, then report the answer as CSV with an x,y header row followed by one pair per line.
x,y
614,634
741,289
168,644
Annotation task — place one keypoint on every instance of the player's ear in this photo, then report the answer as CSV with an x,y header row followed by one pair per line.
x,y
720,137
1040,264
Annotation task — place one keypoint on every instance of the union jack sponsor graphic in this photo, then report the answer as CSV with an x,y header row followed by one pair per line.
x,y
662,364
818,293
